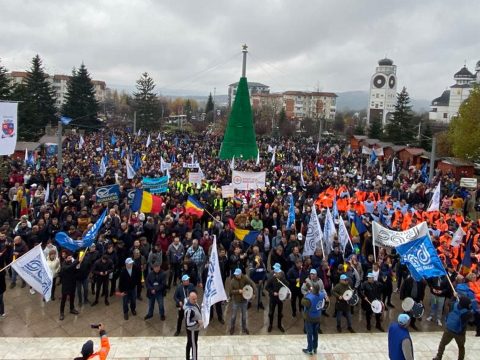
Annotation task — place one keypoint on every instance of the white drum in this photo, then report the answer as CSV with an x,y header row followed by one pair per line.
x,y
284,293
407,304
377,306
247,292
347,295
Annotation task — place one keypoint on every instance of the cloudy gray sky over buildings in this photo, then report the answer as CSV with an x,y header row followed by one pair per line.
x,y
295,45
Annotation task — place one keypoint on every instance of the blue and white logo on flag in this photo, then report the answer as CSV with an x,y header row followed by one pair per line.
x,y
421,258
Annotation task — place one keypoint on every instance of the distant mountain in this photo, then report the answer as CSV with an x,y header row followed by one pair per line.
x,y
358,100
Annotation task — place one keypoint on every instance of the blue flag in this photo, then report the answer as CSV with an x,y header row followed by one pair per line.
x,y
424,176
113,140
67,242
137,163
335,208
65,120
373,157
291,213
359,225
421,258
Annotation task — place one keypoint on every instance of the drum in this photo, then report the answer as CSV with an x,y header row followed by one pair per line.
x,y
353,300
347,295
284,293
247,292
418,310
377,306
407,304
325,304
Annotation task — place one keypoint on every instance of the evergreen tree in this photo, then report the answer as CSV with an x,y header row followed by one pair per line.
x,y
188,109
285,127
400,129
359,129
5,87
81,104
376,129
426,137
465,128
146,102
38,106
209,106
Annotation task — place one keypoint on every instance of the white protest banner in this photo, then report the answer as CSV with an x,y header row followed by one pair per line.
x,y
469,183
245,180
214,289
228,191
8,119
390,238
435,201
314,234
195,165
196,177
457,237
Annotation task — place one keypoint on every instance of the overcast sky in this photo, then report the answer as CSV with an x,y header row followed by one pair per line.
x,y
196,45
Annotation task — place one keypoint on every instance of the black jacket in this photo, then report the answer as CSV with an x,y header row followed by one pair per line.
x,y
68,276
407,287
129,282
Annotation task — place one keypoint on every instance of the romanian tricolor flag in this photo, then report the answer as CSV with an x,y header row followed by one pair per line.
x,y
145,202
194,207
358,227
247,236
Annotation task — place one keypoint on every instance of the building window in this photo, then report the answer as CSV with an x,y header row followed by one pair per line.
x,y
445,115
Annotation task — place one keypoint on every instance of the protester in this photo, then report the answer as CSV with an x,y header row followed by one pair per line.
x,y
239,302
193,323
156,289
400,345
87,348
312,303
181,295
129,278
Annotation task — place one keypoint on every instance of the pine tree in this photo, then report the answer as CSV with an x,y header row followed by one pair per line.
x,y
358,130
465,128
188,109
5,87
210,105
38,106
400,129
81,104
146,102
376,129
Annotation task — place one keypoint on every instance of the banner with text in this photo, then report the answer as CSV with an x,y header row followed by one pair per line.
x,y
245,180
107,193
155,185
8,119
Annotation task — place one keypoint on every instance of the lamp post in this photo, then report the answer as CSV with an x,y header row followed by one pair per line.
x,y
59,147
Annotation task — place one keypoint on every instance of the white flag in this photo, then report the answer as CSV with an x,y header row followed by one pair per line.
x,y
214,289
32,267
47,193
314,234
393,166
164,165
317,151
26,156
381,236
270,149
103,167
80,142
329,231
258,158
273,155
302,181
130,170
159,137
149,141
343,236
8,117
232,163
139,132
435,202
457,237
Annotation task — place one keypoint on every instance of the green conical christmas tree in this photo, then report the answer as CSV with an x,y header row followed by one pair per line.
x,y
239,139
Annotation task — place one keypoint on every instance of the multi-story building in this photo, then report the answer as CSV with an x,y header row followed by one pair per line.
x,y
60,85
383,91
446,107
253,88
299,105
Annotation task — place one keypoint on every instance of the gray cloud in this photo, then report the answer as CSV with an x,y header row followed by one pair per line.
x,y
296,45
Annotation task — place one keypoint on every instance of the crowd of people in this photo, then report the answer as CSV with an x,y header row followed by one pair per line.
x,y
140,255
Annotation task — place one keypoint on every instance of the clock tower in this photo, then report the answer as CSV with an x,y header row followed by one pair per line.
x,y
383,92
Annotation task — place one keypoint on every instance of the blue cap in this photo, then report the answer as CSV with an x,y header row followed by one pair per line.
x,y
313,271
277,266
185,277
403,319
343,277
277,270
370,275
238,271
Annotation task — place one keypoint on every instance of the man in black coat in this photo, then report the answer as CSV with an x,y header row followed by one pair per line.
x,y
102,269
68,276
130,276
